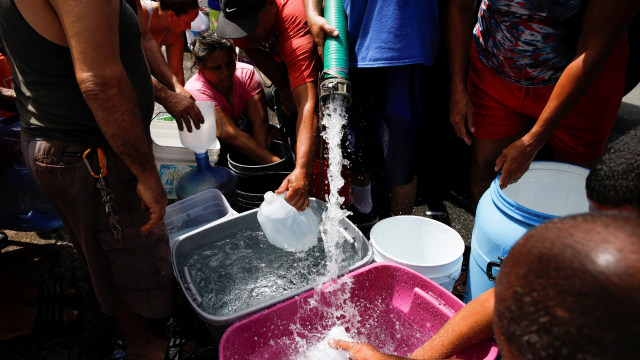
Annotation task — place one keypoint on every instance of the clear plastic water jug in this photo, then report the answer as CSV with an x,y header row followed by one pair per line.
x,y
204,176
202,139
286,227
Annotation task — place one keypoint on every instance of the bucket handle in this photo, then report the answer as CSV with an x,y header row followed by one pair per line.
x,y
192,289
494,264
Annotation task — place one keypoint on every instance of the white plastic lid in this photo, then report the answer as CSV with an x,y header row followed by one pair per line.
x,y
165,133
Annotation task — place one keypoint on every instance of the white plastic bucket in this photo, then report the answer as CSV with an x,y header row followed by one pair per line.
x,y
426,246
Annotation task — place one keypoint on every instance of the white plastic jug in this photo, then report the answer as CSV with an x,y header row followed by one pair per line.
x,y
200,23
202,139
286,227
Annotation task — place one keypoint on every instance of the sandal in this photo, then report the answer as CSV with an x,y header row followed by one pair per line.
x,y
174,348
50,318
51,310
54,294
177,340
50,294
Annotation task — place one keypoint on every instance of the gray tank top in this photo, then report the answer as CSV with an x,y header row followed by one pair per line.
x,y
50,103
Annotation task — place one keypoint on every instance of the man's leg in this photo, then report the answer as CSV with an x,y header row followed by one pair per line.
x,y
484,154
402,198
398,128
141,344
361,191
60,173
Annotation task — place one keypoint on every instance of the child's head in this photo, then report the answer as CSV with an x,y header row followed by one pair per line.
x,y
215,57
614,182
181,13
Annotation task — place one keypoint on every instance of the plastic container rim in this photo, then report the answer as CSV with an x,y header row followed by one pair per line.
x,y
445,301
520,212
375,246
239,167
232,318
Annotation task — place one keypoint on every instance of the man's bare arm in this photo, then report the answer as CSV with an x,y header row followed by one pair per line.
x,y
92,37
297,182
155,59
174,48
318,25
167,88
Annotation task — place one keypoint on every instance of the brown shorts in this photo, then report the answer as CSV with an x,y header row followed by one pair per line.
x,y
138,273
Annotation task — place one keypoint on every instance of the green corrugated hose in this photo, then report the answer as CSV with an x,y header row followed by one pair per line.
x,y
336,49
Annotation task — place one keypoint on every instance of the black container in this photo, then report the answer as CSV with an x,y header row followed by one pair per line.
x,y
243,166
250,189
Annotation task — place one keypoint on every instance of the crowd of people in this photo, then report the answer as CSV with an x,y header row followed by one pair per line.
x,y
85,77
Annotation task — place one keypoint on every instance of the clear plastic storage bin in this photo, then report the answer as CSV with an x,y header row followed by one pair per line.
x,y
195,211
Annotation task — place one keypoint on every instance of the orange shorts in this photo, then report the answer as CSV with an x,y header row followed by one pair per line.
x,y
503,108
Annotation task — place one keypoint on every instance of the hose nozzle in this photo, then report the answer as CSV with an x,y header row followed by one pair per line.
x,y
335,86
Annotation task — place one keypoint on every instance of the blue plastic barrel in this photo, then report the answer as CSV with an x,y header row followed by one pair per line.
x,y
547,190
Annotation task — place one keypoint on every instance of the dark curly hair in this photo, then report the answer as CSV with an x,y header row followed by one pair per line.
x,y
615,178
207,43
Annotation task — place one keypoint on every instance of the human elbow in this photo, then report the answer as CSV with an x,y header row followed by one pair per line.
x,y
96,87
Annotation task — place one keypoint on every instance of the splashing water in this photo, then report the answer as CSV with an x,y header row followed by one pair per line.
x,y
334,120
339,310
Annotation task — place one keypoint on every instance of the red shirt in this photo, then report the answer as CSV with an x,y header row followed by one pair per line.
x,y
294,43
5,80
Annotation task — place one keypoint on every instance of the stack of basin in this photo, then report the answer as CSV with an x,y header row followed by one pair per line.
x,y
196,211
254,179
243,166
250,190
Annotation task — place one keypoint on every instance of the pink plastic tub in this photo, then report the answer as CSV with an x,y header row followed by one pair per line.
x,y
397,311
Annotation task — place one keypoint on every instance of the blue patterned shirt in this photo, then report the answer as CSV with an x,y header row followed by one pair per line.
x,y
529,42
